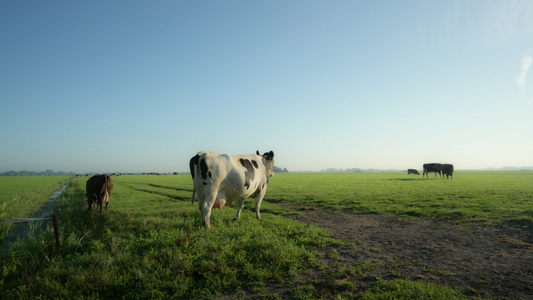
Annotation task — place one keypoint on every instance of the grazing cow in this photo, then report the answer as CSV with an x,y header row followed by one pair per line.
x,y
432,168
447,169
220,177
412,171
99,189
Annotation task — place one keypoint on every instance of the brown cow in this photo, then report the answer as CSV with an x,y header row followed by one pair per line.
x,y
99,189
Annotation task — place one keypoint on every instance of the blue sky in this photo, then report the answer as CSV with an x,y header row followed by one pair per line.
x,y
141,86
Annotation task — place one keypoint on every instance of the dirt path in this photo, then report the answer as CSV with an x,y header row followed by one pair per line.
x,y
486,261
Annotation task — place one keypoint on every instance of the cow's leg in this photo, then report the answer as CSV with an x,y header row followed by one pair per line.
x,y
201,199
100,201
91,200
208,199
240,206
206,215
258,201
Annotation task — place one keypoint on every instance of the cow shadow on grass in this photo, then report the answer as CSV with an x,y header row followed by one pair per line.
x,y
168,188
160,190
404,179
85,229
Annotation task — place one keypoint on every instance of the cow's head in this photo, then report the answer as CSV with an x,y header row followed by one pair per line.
x,y
268,162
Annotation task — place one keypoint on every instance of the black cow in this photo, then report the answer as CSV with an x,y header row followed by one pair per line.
x,y
432,168
412,171
447,169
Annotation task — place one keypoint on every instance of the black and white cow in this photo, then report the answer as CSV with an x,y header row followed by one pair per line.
x,y
432,168
412,171
220,177
447,169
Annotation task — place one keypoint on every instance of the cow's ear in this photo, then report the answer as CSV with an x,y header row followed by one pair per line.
x,y
257,152
271,153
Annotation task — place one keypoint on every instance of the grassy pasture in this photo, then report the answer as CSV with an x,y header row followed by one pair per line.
x,y
472,196
23,196
150,242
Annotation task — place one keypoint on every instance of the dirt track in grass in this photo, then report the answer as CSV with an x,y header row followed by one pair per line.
x,y
482,261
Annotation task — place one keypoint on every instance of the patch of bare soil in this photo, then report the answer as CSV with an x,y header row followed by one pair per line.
x,y
482,261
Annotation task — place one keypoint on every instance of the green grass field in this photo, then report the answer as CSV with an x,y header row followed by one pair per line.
x,y
150,243
471,196
23,196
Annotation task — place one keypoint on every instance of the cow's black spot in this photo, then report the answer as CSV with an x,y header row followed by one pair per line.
x,y
249,173
203,169
255,164
192,163
263,187
205,183
210,174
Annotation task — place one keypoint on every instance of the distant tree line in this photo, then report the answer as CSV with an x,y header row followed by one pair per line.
x,y
280,170
33,173
331,170
52,173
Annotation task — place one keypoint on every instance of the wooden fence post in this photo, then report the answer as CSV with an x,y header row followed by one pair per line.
x,y
56,231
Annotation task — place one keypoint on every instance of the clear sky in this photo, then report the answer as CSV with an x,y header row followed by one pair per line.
x,y
142,86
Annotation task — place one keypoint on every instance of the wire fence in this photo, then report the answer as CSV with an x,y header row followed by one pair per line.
x,y
22,220
26,220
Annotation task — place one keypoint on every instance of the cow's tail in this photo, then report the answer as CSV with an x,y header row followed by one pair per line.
x,y
106,179
195,170
196,181
192,168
